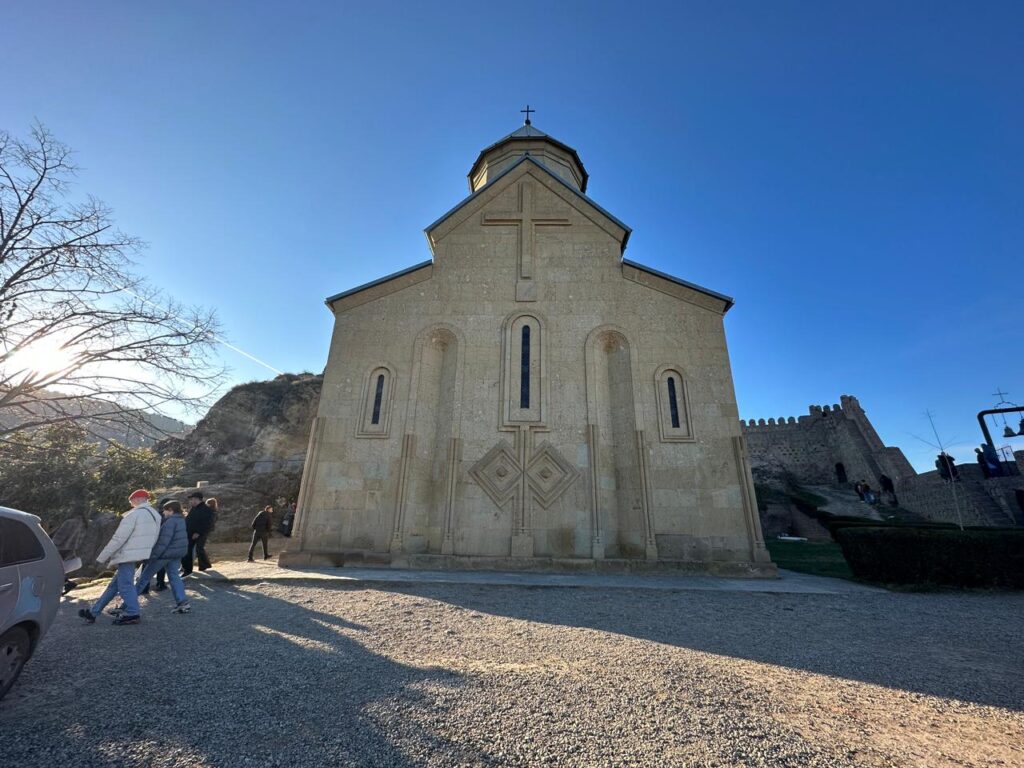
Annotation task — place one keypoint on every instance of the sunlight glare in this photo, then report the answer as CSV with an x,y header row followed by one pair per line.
x,y
41,358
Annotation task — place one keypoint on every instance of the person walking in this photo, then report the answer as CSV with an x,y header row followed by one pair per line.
x,y
289,520
197,525
261,527
214,506
171,545
869,495
995,464
161,575
983,463
132,541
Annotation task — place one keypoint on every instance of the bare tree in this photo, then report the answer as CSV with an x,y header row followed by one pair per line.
x,y
82,337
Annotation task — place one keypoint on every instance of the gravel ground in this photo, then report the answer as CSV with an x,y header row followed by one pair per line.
x,y
439,675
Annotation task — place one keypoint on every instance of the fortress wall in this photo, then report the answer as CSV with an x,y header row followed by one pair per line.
x,y
811,446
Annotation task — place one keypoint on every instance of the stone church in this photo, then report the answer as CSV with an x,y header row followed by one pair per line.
x,y
528,397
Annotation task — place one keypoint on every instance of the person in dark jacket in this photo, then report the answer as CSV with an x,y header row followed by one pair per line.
x,y
171,545
261,527
197,525
161,575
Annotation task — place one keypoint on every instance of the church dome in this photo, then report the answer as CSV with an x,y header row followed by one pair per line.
x,y
557,157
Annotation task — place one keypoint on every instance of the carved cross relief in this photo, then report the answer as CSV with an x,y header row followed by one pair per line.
x,y
520,474
526,219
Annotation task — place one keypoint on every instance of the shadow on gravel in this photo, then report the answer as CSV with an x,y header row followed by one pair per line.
x,y
270,683
963,647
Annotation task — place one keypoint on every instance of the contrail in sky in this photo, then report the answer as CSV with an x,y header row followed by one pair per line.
x,y
216,338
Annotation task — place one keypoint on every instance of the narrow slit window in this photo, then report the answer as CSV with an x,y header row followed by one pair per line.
x,y
673,403
377,397
524,370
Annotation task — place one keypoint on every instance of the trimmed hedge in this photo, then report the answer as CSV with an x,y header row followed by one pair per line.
x,y
836,522
972,558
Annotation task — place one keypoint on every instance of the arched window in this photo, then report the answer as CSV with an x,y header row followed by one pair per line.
x,y
524,369
673,402
377,394
377,398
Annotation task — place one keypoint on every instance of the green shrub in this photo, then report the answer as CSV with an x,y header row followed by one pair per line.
x,y
901,555
836,522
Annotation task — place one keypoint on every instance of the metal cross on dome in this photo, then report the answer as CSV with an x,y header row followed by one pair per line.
x,y
527,111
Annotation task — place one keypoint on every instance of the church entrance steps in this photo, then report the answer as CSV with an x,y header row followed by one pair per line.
x,y
788,582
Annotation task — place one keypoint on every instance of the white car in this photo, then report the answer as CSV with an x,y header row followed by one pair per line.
x,y
31,583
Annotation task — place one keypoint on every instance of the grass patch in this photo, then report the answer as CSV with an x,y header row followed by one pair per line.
x,y
818,558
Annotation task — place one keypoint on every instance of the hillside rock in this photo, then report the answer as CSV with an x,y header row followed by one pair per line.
x,y
259,428
249,448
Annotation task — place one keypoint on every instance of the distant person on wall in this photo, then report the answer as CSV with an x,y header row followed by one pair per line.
x,y
132,541
995,464
858,487
889,490
261,527
198,525
986,470
946,465
869,495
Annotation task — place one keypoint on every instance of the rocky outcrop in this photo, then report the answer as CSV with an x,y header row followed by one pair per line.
x,y
259,428
248,450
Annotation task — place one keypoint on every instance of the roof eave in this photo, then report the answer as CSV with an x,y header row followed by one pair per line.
x,y
727,300
380,281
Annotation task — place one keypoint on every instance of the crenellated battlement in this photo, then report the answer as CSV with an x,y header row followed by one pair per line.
x,y
847,407
829,443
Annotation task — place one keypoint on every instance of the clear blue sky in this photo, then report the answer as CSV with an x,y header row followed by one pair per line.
x,y
853,174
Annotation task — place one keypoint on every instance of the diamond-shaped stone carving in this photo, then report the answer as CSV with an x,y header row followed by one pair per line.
x,y
498,473
549,474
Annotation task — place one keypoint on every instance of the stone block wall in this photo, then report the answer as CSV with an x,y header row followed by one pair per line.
x,y
832,444
812,447
974,500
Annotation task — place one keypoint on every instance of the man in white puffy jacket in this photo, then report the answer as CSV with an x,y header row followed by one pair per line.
x,y
132,542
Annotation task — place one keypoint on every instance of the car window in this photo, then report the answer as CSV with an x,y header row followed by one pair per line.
x,y
18,544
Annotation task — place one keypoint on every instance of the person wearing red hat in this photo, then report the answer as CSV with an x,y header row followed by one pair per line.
x,y
132,542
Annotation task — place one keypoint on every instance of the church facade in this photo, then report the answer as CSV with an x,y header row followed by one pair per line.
x,y
529,398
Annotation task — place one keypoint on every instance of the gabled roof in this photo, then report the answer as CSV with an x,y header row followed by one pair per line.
x,y
529,133
527,159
